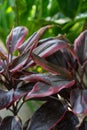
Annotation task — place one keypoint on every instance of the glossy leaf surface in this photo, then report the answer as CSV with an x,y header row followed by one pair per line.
x,y
19,62
48,115
42,89
23,90
6,97
16,38
50,46
69,122
80,47
78,100
33,40
55,69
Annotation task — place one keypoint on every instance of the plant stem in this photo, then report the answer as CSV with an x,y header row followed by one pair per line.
x,y
14,109
20,107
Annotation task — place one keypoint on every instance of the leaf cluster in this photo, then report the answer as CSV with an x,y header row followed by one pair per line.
x,y
63,86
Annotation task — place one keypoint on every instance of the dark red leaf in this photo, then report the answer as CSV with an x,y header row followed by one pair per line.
x,y
27,44
80,46
42,89
23,90
79,100
57,58
6,98
16,38
63,58
69,122
33,40
36,77
29,47
55,69
19,62
48,115
25,56
42,41
49,47
56,51
11,123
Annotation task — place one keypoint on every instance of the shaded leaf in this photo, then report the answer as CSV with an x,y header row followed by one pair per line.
x,y
55,69
64,58
42,89
23,90
36,77
80,47
69,122
11,123
58,52
78,100
57,58
6,98
0,120
48,115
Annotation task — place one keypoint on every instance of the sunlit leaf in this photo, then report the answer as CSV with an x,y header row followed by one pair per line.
x,y
16,38
80,46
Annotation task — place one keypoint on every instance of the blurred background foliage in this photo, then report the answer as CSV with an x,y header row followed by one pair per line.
x,y
69,16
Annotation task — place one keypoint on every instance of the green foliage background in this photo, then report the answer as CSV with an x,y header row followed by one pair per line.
x,y
68,16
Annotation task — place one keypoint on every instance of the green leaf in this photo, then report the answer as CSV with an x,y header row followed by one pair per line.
x,y
69,8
